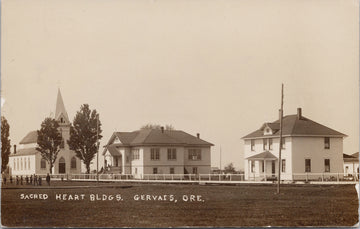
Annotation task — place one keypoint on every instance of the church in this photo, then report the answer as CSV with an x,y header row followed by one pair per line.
x,y
26,160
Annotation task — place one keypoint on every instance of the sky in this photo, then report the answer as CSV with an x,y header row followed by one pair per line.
x,y
208,67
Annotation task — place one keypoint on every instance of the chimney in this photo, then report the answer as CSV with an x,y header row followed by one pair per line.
x,y
162,129
14,149
299,115
198,135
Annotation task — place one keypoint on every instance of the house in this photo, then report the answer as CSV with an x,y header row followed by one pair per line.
x,y
157,151
307,148
351,164
26,160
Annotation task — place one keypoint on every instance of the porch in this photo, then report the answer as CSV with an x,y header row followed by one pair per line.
x,y
262,167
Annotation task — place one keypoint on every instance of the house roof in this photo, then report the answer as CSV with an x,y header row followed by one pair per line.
x,y
262,156
350,158
293,126
113,151
31,137
355,155
24,152
157,137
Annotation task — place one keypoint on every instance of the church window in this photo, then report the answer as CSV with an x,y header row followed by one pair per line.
x,y
73,163
43,163
62,144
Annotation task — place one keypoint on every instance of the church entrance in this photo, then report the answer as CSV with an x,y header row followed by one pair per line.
x,y
62,165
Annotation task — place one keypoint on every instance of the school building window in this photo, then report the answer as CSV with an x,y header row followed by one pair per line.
x,y
155,153
252,142
42,164
327,143
171,153
283,164
155,170
194,154
327,165
307,165
172,170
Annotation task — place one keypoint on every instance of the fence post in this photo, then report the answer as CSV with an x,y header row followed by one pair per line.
x,y
338,177
231,177
220,177
209,177
322,177
190,176
307,178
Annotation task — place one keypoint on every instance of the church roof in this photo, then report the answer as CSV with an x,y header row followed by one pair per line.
x,y
295,126
60,108
25,152
31,137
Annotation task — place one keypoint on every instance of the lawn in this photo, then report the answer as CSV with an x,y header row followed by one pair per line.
x,y
219,205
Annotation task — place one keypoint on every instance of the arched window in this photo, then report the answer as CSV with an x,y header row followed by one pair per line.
x,y
73,163
43,163
62,165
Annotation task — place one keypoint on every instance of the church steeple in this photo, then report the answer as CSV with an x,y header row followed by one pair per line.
x,y
60,112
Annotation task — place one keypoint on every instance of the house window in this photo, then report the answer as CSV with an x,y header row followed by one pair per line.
x,y
194,170
307,165
327,165
155,153
252,166
270,144
252,145
283,165
194,154
73,163
327,143
135,170
171,154
172,170
155,171
135,154
42,163
264,144
283,143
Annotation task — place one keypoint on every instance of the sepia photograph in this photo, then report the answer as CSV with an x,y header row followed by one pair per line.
x,y
159,114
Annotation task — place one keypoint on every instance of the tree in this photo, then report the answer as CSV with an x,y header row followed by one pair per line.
x,y
150,126
84,133
49,141
5,143
229,168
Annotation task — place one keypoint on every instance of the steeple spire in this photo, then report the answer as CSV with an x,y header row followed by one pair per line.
x,y
60,112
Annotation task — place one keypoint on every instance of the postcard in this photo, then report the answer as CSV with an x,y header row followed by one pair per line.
x,y
161,114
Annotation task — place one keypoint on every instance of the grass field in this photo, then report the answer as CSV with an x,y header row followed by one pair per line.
x,y
241,205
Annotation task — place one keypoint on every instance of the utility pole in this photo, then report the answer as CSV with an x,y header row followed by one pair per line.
x,y
280,144
97,146
220,159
